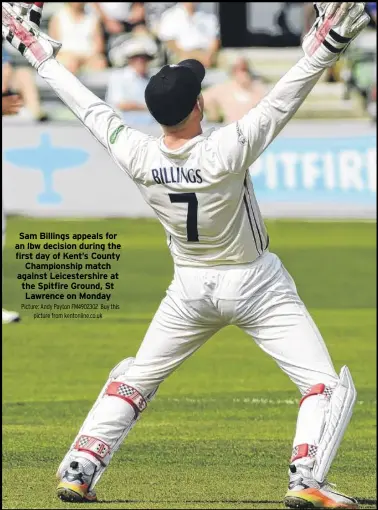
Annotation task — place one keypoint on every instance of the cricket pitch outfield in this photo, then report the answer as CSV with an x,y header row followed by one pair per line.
x,y
219,433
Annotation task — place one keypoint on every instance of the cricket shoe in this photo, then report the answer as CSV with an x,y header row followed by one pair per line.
x,y
305,492
76,481
9,317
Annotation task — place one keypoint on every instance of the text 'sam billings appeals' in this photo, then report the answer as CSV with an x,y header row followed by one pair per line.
x,y
62,266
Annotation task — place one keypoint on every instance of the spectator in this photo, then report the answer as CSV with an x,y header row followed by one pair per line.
x,y
81,37
21,82
231,100
153,12
120,17
11,104
126,87
190,33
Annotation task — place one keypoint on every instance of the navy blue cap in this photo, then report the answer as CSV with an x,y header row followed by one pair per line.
x,y
172,93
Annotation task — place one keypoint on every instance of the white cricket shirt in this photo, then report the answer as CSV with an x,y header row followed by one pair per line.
x,y
201,193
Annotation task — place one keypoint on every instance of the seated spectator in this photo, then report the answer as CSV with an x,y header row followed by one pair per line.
x,y
126,86
153,12
11,104
190,33
21,82
120,17
81,37
229,101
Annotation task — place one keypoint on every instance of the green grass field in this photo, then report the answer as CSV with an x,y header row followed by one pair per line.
x,y
219,433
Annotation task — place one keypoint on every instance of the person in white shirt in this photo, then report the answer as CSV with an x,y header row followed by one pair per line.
x,y
153,13
127,86
120,17
198,184
81,37
190,33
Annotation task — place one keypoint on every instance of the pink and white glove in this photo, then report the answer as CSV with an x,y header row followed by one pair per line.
x,y
31,11
26,37
335,27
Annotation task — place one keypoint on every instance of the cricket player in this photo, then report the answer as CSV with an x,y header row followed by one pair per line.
x,y
198,184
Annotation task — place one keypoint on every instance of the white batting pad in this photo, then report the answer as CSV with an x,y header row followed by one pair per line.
x,y
121,417
337,418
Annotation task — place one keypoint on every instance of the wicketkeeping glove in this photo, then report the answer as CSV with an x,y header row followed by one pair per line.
x,y
25,36
335,27
31,11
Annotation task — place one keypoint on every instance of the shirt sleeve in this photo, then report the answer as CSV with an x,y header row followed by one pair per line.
x,y
125,145
241,143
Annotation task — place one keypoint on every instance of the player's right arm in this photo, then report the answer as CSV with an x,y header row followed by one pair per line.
x,y
241,143
122,142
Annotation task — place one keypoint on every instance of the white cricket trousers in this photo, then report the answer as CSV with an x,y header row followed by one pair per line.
x,y
260,298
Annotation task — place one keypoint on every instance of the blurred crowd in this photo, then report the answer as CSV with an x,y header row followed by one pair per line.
x,y
126,40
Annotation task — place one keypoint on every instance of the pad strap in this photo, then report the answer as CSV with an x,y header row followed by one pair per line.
x,y
129,394
318,389
303,450
93,446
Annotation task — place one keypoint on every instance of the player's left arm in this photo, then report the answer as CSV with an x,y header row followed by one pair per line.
x,y
264,122
336,25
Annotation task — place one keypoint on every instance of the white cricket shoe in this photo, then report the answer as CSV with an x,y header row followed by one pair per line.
x,y
9,317
74,484
305,492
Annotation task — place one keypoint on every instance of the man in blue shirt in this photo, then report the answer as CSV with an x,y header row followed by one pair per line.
x,y
127,85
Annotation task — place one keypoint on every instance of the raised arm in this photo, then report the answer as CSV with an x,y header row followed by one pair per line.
x,y
98,117
336,25
264,122
122,142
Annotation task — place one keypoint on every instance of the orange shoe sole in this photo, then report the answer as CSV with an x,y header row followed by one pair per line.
x,y
313,498
71,493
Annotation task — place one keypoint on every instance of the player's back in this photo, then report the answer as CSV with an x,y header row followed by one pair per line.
x,y
209,211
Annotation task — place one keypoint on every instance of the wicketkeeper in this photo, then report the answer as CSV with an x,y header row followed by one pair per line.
x,y
198,184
